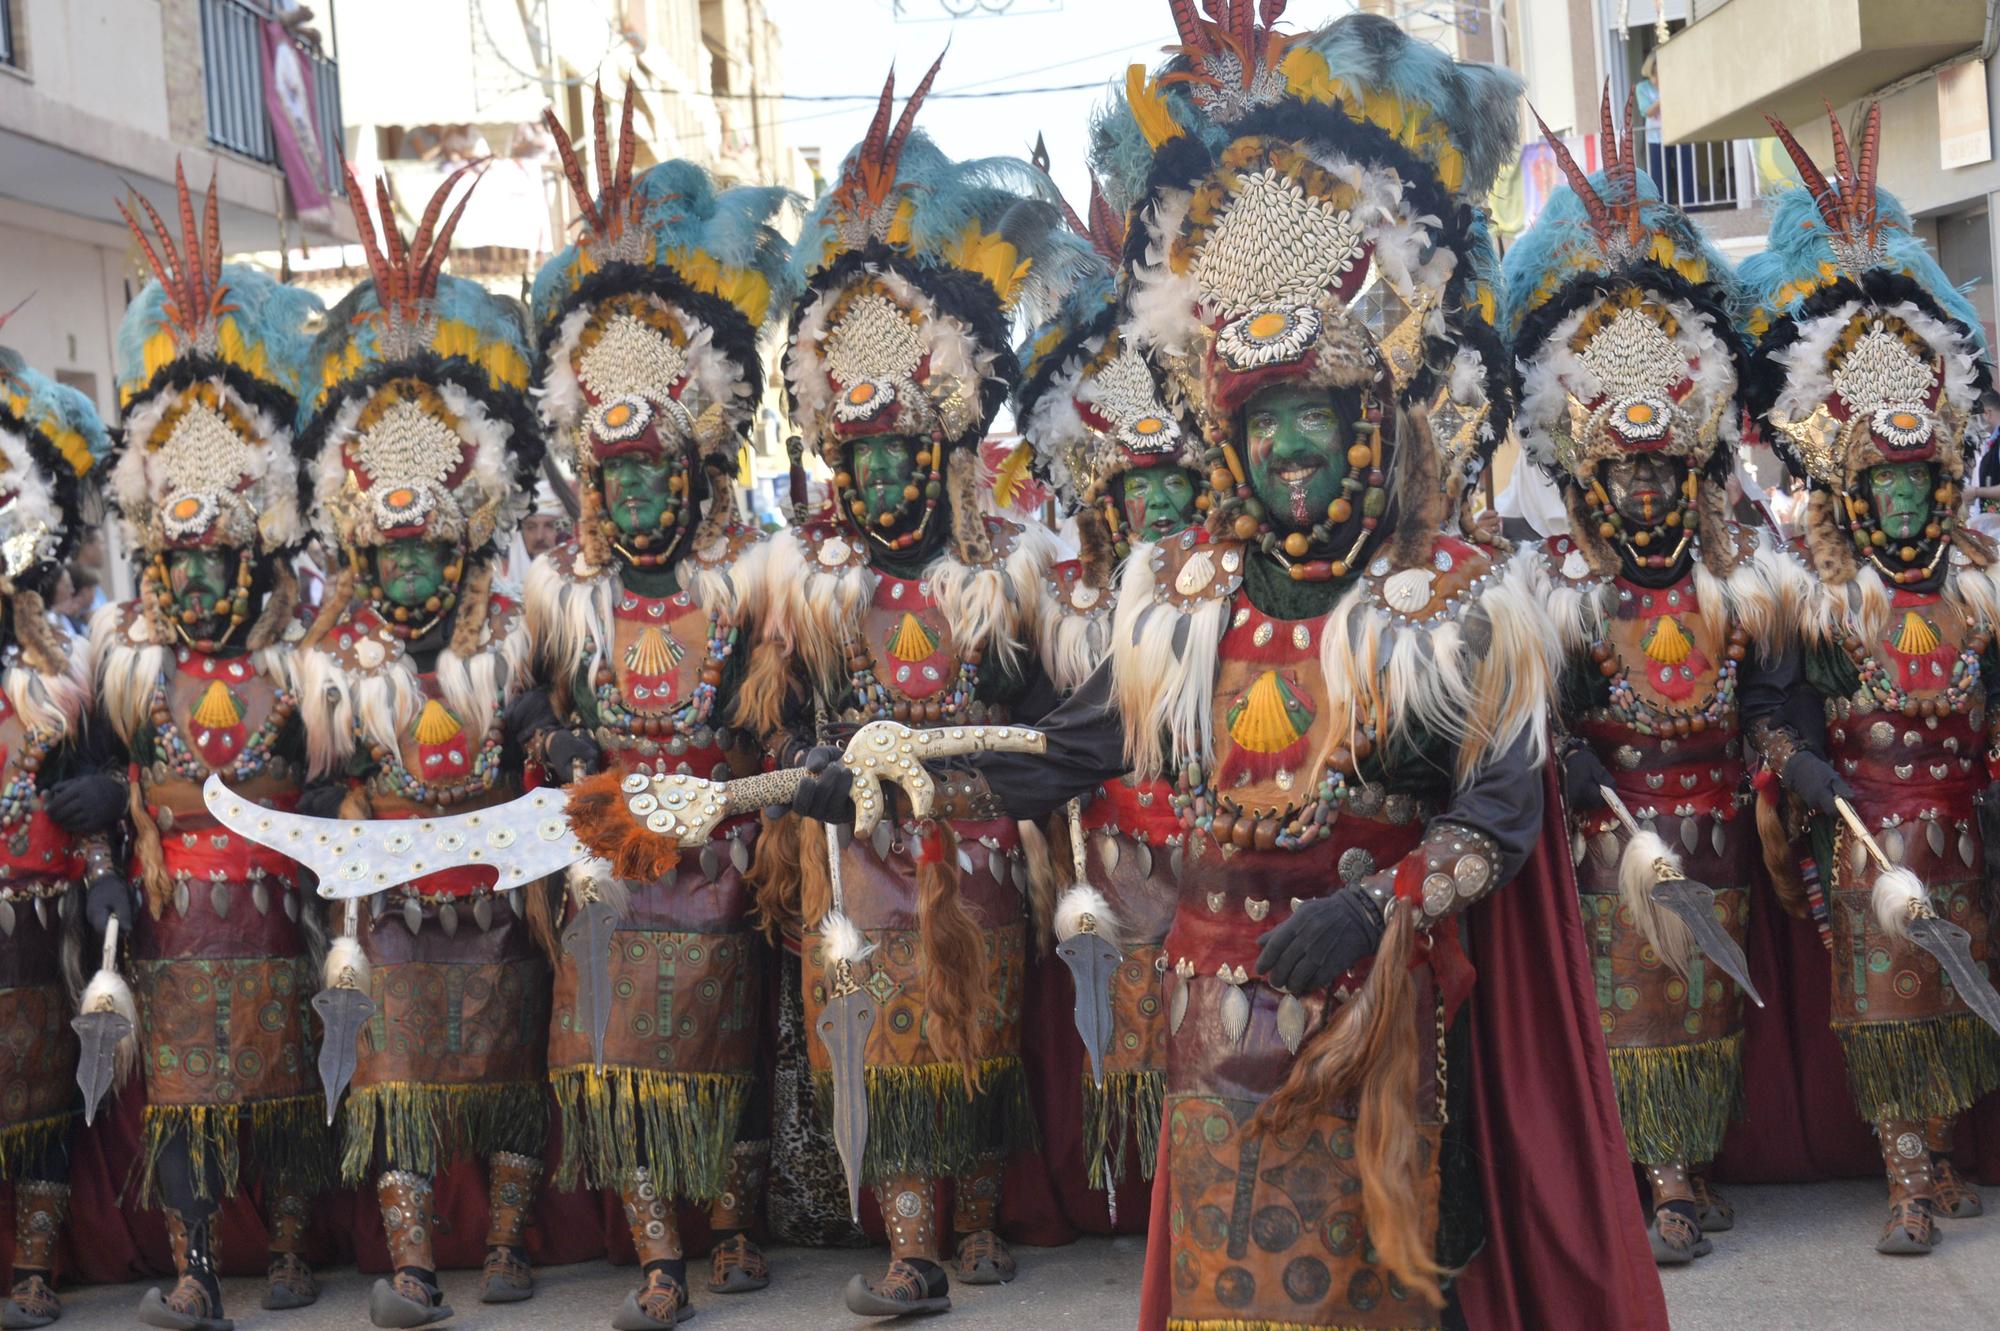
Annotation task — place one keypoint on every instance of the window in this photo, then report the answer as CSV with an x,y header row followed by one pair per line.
x,y
9,48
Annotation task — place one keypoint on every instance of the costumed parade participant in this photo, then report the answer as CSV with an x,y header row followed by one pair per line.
x,y
421,450
907,604
1351,707
1622,320
192,678
1123,464
50,441
1868,366
650,373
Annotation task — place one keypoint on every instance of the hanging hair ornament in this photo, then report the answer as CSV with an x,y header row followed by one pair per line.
x,y
406,276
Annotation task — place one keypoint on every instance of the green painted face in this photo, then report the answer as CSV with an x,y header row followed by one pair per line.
x,y
637,489
884,467
1643,487
1902,492
1158,501
200,581
1298,441
410,569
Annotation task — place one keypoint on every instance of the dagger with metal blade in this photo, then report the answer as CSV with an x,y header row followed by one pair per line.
x,y
345,1007
1922,925
104,1027
1693,904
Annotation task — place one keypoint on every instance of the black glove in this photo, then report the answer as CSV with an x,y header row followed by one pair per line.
x,y
827,793
1321,942
571,753
322,799
1583,775
108,895
1808,776
528,716
86,805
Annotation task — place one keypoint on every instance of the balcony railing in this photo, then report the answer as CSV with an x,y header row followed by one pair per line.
x,y
232,49
1698,176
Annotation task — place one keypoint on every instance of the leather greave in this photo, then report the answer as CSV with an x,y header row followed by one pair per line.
x,y
976,1203
290,1213
656,1234
40,1208
510,1196
742,1187
405,1199
909,1209
1907,1160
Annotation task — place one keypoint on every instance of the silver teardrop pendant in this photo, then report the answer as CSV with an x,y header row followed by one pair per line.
x,y
1235,1013
739,855
1291,1022
884,840
413,914
1177,1008
482,913
219,897
260,897
448,919
1144,853
1107,851
1690,834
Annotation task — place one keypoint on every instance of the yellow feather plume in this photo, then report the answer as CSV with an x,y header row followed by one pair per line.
x,y
1149,108
1013,470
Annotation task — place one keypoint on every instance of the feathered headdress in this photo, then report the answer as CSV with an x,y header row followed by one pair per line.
x,y
912,267
51,441
210,359
650,324
418,423
1310,213
1866,352
1088,402
1621,317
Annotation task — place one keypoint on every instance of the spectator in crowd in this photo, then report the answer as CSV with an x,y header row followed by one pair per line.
x,y
1984,492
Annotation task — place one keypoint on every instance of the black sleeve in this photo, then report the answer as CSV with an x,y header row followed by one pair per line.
x,y
1086,748
1505,802
1774,693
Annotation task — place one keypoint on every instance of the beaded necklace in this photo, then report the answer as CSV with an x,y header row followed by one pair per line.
x,y
1365,485
159,585
249,762
929,489
392,774
1912,561
645,731
20,798
1961,695
1640,714
397,618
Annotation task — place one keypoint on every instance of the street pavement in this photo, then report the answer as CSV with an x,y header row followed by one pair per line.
x,y
1800,1259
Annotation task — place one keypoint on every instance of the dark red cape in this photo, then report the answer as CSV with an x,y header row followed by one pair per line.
x,y
1566,1241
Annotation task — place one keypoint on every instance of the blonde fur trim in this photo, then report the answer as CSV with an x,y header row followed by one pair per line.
x,y
1163,665
1080,900
1895,892
108,989
51,703
385,701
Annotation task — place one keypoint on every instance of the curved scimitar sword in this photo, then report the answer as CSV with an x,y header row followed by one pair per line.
x,y
1693,904
1951,945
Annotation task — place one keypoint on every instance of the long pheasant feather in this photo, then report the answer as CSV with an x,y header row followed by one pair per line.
x,y
1628,173
160,270
579,184
892,151
1843,160
195,295
378,267
1270,11
427,241
1107,228
1809,175
1187,23
1600,217
1243,31
392,243
621,178
868,156
211,245
434,259
601,145
1864,180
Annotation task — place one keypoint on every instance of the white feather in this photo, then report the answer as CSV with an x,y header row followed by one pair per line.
x,y
1669,937
1895,891
344,959
108,987
1080,900
844,939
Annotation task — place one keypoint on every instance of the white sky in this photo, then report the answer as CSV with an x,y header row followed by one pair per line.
x,y
847,46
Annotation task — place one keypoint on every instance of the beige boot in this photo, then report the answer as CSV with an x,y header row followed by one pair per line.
x,y
510,1196
1913,1200
39,1208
